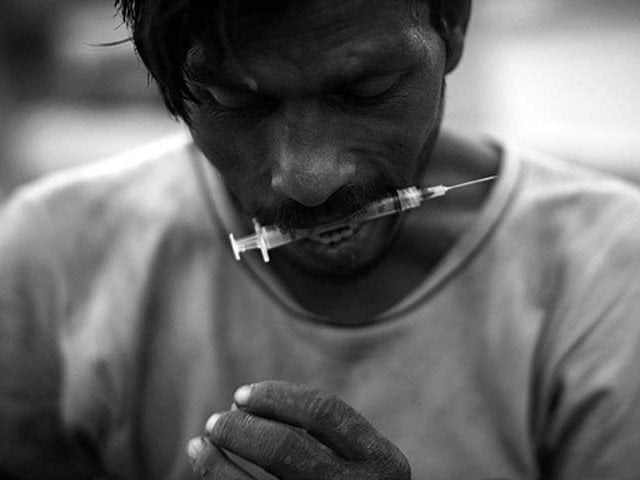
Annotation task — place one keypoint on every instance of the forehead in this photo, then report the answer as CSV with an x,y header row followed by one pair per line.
x,y
317,42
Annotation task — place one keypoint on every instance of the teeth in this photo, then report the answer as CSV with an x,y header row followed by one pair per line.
x,y
334,236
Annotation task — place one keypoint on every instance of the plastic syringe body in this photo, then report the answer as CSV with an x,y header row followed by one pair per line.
x,y
402,200
270,237
264,239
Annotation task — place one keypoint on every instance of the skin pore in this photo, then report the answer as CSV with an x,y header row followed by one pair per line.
x,y
323,106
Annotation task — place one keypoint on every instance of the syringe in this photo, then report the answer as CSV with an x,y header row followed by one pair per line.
x,y
270,237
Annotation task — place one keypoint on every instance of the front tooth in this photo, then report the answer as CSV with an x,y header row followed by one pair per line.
x,y
346,233
329,238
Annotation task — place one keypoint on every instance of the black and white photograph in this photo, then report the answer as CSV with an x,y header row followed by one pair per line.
x,y
320,240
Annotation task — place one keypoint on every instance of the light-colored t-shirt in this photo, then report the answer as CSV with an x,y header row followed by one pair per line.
x,y
125,322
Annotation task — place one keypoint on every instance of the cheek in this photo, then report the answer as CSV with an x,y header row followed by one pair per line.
x,y
235,148
392,138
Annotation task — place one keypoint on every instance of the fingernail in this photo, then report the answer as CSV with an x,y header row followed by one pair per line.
x,y
241,397
211,422
194,447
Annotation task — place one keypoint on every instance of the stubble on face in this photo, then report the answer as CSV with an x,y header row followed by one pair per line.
x,y
302,60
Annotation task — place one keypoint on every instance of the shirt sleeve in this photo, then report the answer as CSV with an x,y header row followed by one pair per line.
x,y
591,407
33,440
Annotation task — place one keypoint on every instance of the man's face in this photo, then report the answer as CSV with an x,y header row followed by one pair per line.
x,y
330,104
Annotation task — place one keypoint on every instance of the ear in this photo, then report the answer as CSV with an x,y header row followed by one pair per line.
x,y
452,18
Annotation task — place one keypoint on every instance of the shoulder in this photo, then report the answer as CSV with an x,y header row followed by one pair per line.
x,y
581,232
141,194
570,188
585,213
58,233
77,235
133,182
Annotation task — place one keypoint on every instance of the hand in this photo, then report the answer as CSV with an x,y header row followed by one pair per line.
x,y
295,432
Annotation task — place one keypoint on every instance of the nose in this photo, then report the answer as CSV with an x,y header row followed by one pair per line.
x,y
309,165
310,177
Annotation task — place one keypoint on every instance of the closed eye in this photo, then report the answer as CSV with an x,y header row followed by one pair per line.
x,y
371,87
235,99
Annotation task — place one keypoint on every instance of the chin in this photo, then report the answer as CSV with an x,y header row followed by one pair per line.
x,y
345,254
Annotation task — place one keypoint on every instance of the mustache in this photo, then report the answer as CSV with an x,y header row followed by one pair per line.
x,y
290,215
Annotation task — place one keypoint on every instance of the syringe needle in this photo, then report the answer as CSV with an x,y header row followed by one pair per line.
x,y
472,182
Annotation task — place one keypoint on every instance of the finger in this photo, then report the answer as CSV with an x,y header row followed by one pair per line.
x,y
209,462
325,416
276,448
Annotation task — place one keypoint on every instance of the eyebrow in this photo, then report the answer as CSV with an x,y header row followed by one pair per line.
x,y
207,76
363,75
383,61
375,65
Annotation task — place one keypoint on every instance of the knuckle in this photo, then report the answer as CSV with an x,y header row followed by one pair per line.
x,y
229,426
287,451
404,468
270,384
294,456
245,427
391,463
269,388
244,420
208,465
222,430
209,471
324,409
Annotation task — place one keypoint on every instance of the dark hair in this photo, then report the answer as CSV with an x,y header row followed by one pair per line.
x,y
163,32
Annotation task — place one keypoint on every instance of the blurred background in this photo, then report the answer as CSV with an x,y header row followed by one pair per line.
x,y
561,76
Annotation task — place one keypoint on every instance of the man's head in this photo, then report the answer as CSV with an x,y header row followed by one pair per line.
x,y
308,108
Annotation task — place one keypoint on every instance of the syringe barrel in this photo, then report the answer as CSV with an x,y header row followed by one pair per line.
x,y
380,208
275,238
404,199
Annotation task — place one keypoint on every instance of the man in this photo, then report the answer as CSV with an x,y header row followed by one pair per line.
x,y
493,333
